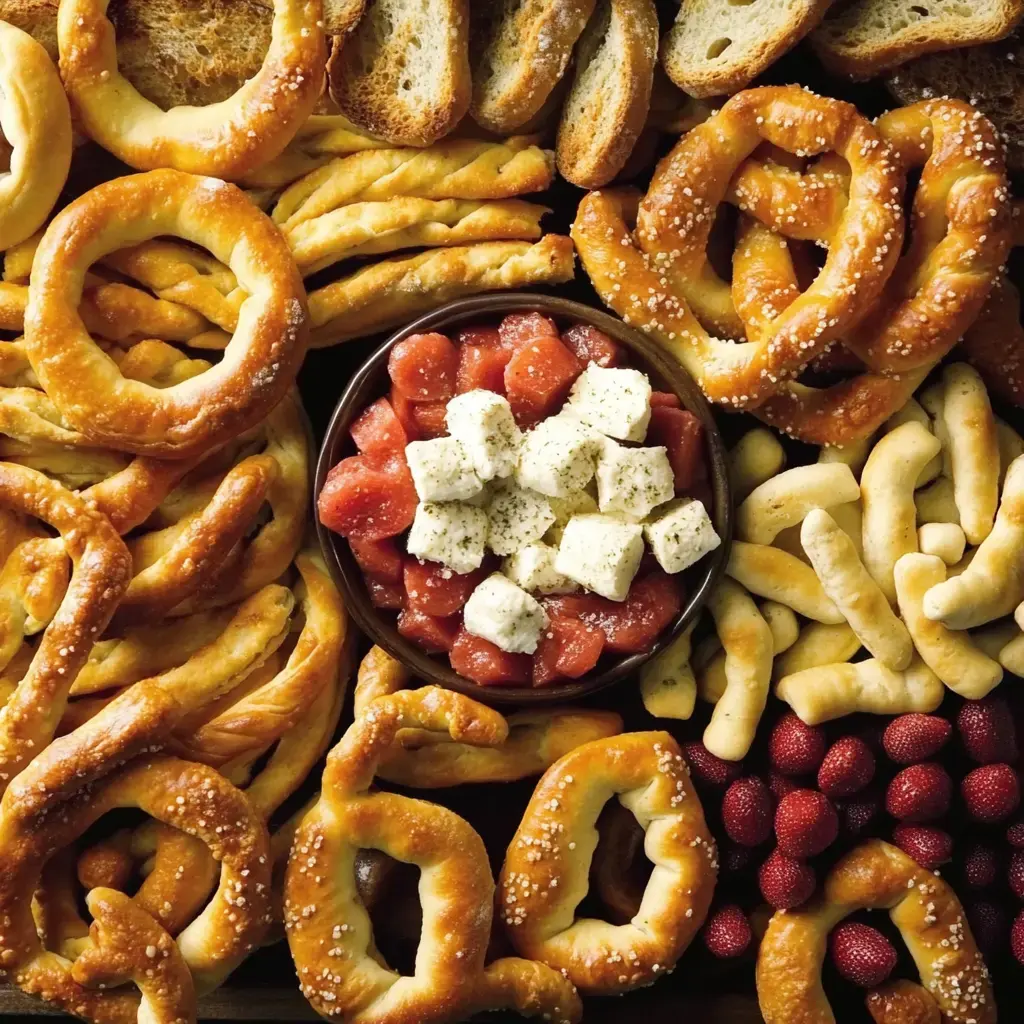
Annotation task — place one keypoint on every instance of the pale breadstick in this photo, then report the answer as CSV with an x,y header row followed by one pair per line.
x,y
1011,655
993,584
778,576
817,644
933,399
747,641
959,568
887,498
785,499
850,519
788,540
913,411
950,654
973,450
853,455
832,691
667,686
936,504
993,638
854,592
946,540
1011,445
756,457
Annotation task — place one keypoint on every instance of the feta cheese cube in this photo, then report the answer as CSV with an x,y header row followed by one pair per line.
x,y
450,533
613,400
533,569
442,470
601,553
681,534
557,457
483,422
577,503
505,614
633,480
516,517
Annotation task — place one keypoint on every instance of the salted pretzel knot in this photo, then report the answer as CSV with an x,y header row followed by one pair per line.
x,y
259,363
922,906
545,874
228,139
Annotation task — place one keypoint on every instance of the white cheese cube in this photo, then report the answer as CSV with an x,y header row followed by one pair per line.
x,y
533,569
633,480
450,533
516,517
505,614
681,534
601,553
576,504
442,470
557,457
613,400
483,422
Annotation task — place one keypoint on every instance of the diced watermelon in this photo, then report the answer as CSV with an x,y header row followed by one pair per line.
x,y
385,595
483,367
430,632
478,659
429,418
368,496
664,399
589,345
488,337
568,649
378,429
538,378
380,559
683,435
519,328
403,409
434,589
423,367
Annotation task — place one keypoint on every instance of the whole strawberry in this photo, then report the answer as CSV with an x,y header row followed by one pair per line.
x,y
988,926
915,737
856,815
795,748
708,767
919,793
929,846
847,768
1017,938
1015,835
786,883
805,823
1015,874
780,784
991,792
736,858
727,933
747,811
981,866
862,954
987,730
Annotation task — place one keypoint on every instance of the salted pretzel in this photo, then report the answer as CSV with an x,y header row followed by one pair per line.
x,y
544,876
328,930
922,906
259,363
227,139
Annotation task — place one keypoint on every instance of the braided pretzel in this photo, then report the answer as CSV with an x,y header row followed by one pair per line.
x,y
328,930
925,909
259,363
544,876
226,139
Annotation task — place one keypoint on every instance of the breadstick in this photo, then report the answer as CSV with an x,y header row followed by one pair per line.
x,y
950,654
832,691
993,638
785,499
1011,655
756,457
887,496
779,576
946,540
1011,445
667,685
817,644
854,454
913,411
856,595
936,504
932,400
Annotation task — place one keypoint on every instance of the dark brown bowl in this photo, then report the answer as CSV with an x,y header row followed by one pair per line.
x,y
370,383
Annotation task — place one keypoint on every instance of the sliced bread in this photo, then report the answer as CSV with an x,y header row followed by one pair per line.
x,y
403,72
521,49
867,37
717,47
611,91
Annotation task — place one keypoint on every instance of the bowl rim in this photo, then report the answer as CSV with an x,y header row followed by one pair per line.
x,y
349,579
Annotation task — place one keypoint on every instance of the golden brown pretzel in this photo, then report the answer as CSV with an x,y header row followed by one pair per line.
x,y
902,1002
922,906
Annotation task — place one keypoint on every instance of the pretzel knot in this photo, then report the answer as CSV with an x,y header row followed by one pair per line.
x,y
544,877
329,931
259,362
923,907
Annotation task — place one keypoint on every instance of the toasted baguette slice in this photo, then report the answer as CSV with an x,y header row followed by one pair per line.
x,y
521,49
867,37
716,47
611,91
990,77
403,72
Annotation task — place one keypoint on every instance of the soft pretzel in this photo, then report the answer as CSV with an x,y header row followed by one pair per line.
x,y
902,1002
950,654
817,644
775,574
667,684
945,540
259,363
227,139
921,905
545,874
755,458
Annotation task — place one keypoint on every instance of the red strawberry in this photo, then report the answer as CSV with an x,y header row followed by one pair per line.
x,y
805,823
987,730
736,858
709,767
929,846
727,933
1015,835
857,815
862,954
1015,875
1017,938
780,785
988,926
848,767
981,866
785,882
991,792
915,737
795,748
747,811
919,793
